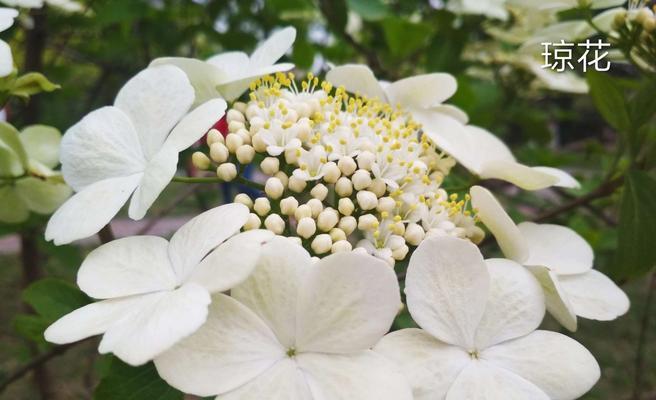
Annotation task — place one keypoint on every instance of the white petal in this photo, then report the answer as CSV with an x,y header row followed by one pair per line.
x,y
495,218
357,79
42,196
564,179
90,320
155,100
102,145
127,266
449,135
14,209
487,146
555,363
233,347
283,381
557,247
556,298
232,64
447,288
88,211
518,174
157,175
364,299
273,48
453,112
161,320
482,380
7,16
429,365
196,124
363,376
6,59
41,143
195,239
422,91
594,296
232,262
203,76
515,306
272,290
236,85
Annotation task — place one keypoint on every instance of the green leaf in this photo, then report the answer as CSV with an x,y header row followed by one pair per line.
x,y
404,37
32,83
31,327
636,253
642,106
13,158
369,10
52,298
123,382
609,99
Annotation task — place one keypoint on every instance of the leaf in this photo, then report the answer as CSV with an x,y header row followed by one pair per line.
x,y
369,10
609,100
404,37
642,106
123,382
52,298
636,253
32,83
30,327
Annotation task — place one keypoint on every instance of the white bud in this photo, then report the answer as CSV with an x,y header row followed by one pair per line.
x,y
414,234
262,206
235,115
321,244
316,206
347,165
361,179
378,187
296,185
386,204
327,219
366,160
303,211
274,188
643,15
244,135
234,126
244,199
319,192
245,154
341,246
306,227
214,136
253,222
270,165
367,200
258,144
400,253
649,24
233,141
344,187
219,152
332,172
347,224
337,234
345,206
367,222
288,205
200,160
227,172
398,228
291,156
283,177
275,224
296,240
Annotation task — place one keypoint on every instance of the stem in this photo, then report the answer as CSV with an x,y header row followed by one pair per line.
x,y
106,234
642,339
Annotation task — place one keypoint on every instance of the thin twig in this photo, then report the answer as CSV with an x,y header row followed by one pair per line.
x,y
106,234
642,340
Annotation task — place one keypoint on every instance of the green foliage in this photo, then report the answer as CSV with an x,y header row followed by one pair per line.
x,y
370,10
52,298
609,99
404,37
123,382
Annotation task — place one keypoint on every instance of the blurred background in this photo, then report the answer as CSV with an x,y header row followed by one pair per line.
x,y
93,52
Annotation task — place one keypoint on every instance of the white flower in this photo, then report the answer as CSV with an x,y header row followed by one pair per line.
x,y
155,292
65,5
130,147
228,74
294,330
489,8
560,259
560,5
479,339
312,164
7,16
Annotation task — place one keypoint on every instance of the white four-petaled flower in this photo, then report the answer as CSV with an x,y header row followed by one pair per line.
x,y
7,16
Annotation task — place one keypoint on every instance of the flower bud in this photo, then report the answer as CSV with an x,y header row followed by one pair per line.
x,y
345,206
332,172
270,165
244,199
367,200
245,154
649,24
361,179
233,141
347,224
288,205
347,165
366,160
321,244
414,234
337,234
235,126
327,219
643,15
219,152
235,115
306,227
244,135
274,188
275,224
303,211
227,172
253,222
258,144
240,106
319,192
341,246
283,177
400,253
367,222
316,206
344,187
378,187
386,204
200,160
262,206
296,185
214,136
291,156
